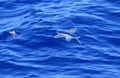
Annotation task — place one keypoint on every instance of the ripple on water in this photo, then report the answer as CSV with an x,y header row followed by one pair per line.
x,y
35,53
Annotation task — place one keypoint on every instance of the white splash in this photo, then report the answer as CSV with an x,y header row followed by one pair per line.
x,y
13,33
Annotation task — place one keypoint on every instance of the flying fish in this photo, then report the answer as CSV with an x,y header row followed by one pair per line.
x,y
68,35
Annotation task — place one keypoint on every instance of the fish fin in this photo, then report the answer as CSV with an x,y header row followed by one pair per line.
x,y
71,31
68,38
77,38
59,35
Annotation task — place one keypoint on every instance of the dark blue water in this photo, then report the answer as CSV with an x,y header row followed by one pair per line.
x,y
35,53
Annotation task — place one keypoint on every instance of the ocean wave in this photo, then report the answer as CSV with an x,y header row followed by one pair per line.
x,y
35,53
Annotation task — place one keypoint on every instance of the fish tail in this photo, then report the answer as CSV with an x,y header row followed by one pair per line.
x,y
77,38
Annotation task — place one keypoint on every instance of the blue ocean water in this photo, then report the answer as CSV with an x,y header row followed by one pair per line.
x,y
35,53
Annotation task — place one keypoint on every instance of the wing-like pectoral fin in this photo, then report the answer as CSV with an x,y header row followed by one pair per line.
x,y
68,39
59,35
71,31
